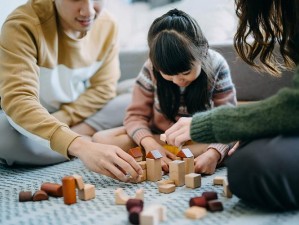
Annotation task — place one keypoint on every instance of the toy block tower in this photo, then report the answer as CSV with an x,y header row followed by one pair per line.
x,y
153,165
186,155
136,153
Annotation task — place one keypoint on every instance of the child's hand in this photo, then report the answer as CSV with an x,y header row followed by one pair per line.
x,y
206,163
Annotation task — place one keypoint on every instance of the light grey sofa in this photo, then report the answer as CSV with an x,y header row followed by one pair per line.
x,y
250,85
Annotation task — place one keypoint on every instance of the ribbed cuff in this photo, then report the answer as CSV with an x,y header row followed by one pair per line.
x,y
201,128
141,133
61,140
221,148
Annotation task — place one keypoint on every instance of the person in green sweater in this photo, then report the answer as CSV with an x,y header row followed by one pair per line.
x,y
264,169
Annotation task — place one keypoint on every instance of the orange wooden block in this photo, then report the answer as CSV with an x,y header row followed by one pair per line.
x,y
154,154
69,190
52,189
25,196
136,153
40,196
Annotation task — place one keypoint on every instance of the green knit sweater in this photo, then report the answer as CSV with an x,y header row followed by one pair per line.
x,y
276,115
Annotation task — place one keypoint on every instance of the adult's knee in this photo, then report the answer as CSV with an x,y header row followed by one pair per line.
x,y
264,173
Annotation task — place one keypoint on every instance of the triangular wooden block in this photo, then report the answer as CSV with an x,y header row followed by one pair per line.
x,y
185,153
154,154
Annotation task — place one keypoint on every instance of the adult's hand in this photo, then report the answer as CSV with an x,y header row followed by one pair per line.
x,y
179,133
105,159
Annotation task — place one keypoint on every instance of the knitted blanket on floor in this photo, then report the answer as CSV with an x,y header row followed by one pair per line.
x,y
102,209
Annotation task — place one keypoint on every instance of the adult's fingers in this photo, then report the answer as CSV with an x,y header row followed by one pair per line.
x,y
128,164
170,155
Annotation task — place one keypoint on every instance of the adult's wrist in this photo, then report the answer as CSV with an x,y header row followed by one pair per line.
x,y
75,148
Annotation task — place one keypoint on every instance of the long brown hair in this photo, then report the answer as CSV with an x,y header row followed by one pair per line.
x,y
268,22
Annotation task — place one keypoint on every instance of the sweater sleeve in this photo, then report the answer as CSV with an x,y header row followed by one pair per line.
x,y
139,112
223,93
275,115
102,86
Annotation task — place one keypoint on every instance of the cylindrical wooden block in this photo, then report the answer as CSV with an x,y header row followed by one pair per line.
x,y
40,196
69,190
52,189
25,196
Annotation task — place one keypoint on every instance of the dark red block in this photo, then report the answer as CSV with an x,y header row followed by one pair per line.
x,y
210,195
133,202
198,201
134,215
215,206
25,196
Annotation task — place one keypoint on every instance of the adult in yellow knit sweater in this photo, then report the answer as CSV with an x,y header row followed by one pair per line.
x,y
59,67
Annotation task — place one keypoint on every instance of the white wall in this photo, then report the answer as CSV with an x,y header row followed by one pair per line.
x,y
6,6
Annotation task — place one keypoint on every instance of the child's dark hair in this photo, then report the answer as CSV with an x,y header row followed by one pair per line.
x,y
176,42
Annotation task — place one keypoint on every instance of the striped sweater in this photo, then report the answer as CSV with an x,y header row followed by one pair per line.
x,y
144,116
49,81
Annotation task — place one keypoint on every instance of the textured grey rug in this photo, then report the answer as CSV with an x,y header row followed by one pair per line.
x,y
102,209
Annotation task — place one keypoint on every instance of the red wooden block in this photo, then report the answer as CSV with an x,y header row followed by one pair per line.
x,y
210,195
198,201
135,152
154,154
215,205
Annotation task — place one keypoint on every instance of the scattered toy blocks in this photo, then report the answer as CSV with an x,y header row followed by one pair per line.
x,y
193,180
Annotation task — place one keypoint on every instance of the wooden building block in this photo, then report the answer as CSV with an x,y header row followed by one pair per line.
x,y
185,153
69,190
210,195
166,188
173,149
226,191
193,180
154,154
215,206
195,212
162,182
177,172
142,164
136,153
218,180
25,196
139,194
198,201
88,192
79,181
134,202
189,165
120,196
134,215
40,196
163,137
52,189
153,214
153,169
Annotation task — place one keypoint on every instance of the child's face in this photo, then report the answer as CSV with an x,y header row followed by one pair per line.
x,y
77,16
185,78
